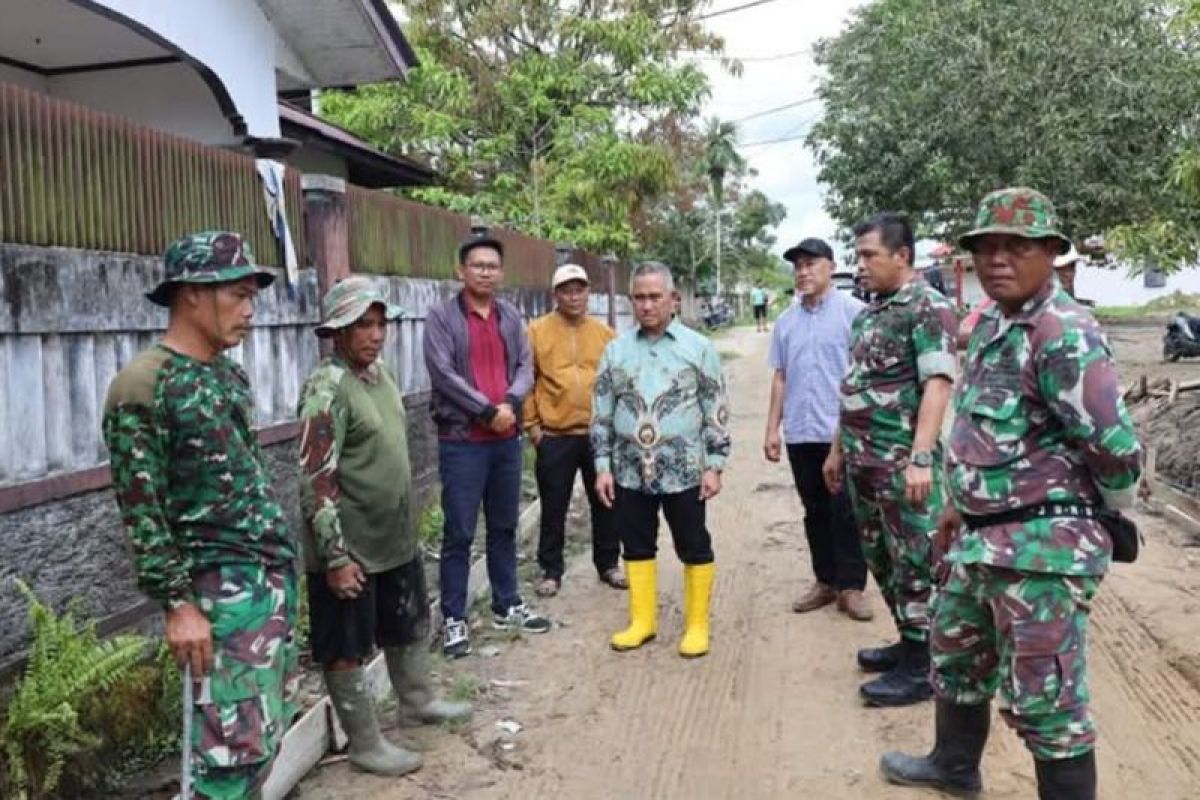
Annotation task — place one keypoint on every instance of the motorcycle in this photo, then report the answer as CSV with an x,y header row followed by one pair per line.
x,y
718,315
1182,338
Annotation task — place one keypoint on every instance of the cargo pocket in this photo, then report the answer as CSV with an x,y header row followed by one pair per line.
x,y
1045,659
232,732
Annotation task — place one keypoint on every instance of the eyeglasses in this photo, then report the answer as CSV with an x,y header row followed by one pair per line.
x,y
484,266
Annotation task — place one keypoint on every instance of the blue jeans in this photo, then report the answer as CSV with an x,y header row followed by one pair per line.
x,y
474,473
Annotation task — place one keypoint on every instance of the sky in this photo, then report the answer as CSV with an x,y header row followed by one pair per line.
x,y
787,171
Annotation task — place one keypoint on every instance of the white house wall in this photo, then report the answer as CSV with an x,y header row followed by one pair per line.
x,y
19,77
168,97
231,38
1115,287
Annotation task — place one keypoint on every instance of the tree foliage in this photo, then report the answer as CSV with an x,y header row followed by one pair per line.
x,y
929,106
542,115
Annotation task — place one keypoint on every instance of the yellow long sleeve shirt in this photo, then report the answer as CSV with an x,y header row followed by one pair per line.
x,y
565,359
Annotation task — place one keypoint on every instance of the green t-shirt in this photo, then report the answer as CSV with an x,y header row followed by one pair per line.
x,y
356,482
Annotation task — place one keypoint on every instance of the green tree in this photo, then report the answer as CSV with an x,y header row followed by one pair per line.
x,y
543,115
929,106
720,158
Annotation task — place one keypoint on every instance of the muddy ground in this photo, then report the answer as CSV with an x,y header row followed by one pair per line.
x,y
773,710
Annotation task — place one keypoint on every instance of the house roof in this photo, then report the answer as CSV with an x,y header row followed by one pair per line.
x,y
339,42
366,165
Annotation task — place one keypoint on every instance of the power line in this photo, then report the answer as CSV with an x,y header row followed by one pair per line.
x,y
750,59
777,109
780,140
732,9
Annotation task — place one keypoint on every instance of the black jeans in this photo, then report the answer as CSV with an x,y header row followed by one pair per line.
x,y
637,516
558,459
833,541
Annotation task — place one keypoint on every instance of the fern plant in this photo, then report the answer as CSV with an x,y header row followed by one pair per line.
x,y
68,664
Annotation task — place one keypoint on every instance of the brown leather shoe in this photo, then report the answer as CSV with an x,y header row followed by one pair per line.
x,y
854,604
816,597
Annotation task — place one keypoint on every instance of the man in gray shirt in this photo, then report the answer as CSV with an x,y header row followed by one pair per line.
x,y
810,351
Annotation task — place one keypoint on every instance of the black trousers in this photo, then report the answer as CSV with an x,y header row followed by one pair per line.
x,y
833,541
558,459
637,517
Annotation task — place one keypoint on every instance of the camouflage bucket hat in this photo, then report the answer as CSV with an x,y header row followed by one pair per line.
x,y
348,300
1017,211
208,257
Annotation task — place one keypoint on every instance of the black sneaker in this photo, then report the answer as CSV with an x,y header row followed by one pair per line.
x,y
456,642
520,618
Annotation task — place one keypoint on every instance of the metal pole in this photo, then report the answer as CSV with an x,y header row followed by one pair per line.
x,y
610,263
185,740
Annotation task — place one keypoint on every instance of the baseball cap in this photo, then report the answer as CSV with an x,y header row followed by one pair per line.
x,y
569,272
809,247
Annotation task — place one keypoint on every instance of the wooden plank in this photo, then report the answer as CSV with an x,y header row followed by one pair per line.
x,y
26,396
57,403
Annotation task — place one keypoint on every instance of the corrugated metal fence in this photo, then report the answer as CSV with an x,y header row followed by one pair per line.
x,y
74,177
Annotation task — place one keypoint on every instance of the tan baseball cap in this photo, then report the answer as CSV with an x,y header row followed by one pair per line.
x,y
569,272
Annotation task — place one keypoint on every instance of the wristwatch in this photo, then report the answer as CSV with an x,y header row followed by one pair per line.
x,y
921,458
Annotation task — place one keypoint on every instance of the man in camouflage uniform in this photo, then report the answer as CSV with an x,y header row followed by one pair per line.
x,y
366,577
209,540
1041,441
902,364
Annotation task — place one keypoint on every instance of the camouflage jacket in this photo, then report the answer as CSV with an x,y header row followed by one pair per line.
x,y
356,480
188,472
897,343
1039,417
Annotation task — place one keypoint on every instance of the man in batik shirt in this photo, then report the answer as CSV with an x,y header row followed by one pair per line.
x,y
660,440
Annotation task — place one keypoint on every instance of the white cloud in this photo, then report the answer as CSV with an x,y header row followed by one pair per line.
x,y
787,172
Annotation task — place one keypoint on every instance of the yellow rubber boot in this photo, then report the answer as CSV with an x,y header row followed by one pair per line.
x,y
697,594
643,605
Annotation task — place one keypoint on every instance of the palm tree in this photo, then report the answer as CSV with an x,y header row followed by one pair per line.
x,y
720,158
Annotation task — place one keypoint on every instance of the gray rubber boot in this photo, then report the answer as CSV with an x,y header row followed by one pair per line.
x,y
408,667
369,751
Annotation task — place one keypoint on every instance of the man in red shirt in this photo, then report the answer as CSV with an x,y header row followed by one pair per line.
x,y
481,368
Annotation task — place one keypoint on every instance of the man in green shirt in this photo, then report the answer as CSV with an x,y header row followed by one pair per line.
x,y
366,579
209,540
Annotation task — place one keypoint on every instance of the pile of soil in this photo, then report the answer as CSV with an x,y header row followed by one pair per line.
x,y
1173,430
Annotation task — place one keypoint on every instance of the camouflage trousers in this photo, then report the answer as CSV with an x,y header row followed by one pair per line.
x,y
897,541
244,708
1023,633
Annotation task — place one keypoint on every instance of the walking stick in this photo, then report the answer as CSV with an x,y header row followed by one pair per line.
x,y
185,741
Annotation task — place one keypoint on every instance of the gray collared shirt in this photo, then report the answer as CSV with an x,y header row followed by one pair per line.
x,y
812,348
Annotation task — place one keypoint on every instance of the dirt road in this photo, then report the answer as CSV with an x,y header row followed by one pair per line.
x,y
773,710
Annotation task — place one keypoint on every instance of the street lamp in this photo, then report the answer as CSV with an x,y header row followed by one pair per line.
x,y
609,262
479,226
562,253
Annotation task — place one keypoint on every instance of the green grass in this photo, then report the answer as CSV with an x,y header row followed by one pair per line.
x,y
1167,304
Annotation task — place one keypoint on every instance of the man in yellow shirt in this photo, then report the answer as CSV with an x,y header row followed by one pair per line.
x,y
567,345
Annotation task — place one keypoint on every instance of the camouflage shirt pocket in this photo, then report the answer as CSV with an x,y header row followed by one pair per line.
x,y
992,431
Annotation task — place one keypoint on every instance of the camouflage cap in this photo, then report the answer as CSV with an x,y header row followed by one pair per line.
x,y
1017,211
208,257
348,300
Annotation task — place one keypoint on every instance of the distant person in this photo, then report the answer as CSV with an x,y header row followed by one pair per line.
x,y
659,429
481,368
893,398
210,543
1041,443
567,344
1065,267
758,299
366,576
810,350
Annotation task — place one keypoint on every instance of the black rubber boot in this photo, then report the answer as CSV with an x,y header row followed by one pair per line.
x,y
904,684
880,659
1068,778
953,766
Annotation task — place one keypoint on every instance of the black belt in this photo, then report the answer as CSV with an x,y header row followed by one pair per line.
x,y
1027,513
1123,533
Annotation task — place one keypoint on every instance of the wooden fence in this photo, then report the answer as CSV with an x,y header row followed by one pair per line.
x,y
74,177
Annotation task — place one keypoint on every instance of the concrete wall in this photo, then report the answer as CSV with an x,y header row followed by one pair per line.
x,y
69,319
1116,287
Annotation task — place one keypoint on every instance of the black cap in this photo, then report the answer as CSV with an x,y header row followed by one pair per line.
x,y
809,247
470,243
